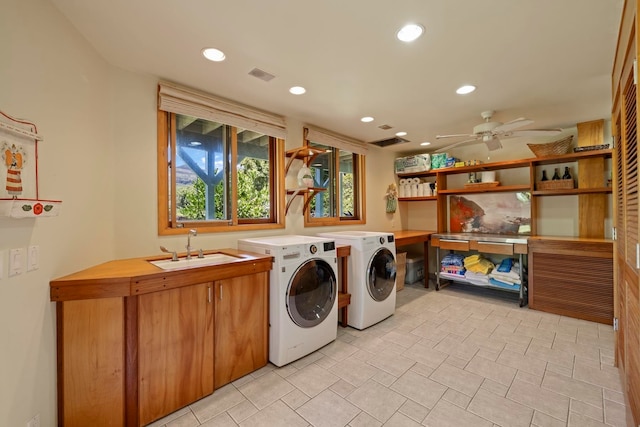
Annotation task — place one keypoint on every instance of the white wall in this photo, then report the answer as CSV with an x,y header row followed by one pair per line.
x,y
99,158
51,76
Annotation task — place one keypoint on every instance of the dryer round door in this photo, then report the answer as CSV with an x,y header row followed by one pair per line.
x,y
312,293
382,274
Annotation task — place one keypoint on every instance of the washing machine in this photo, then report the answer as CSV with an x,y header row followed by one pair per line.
x,y
372,275
303,291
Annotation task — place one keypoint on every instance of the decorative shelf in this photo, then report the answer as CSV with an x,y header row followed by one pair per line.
x,y
302,191
306,154
19,196
29,208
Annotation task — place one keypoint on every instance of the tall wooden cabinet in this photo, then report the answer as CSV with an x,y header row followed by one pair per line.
x,y
626,252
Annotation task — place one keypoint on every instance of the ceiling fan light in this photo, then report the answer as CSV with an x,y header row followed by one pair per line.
x,y
466,89
410,32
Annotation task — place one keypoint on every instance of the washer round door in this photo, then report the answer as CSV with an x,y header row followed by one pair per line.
x,y
382,274
312,293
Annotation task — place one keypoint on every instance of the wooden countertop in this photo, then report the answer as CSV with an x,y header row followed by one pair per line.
x,y
135,276
409,237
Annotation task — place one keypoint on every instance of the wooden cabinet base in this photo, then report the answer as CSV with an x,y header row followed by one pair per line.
x,y
572,277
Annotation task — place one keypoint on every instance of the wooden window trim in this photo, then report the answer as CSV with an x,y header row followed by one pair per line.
x,y
360,199
165,227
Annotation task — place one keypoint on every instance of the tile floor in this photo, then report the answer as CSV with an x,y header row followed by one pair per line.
x,y
458,357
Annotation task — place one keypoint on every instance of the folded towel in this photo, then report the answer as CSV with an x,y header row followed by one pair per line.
x,y
453,259
505,265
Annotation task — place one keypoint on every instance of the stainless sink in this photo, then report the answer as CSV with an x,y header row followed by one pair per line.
x,y
211,259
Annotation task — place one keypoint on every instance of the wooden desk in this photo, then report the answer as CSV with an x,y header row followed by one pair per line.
x,y
410,237
344,298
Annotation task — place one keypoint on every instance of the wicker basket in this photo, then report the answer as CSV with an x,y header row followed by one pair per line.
x,y
556,148
558,184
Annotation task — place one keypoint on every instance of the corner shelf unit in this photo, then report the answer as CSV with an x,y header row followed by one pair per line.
x,y
307,155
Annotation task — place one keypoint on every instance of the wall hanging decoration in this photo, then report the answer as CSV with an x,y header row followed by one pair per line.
x,y
19,196
392,198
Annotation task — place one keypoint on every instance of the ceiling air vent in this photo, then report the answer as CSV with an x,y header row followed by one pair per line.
x,y
385,127
261,74
390,141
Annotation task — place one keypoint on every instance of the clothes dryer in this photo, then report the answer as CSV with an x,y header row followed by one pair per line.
x,y
371,277
303,289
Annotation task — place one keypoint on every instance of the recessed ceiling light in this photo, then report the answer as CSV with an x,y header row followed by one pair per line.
x,y
297,90
213,54
463,90
401,133
195,143
425,143
366,119
410,32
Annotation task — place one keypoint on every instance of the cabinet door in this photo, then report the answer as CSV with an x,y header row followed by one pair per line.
x,y
241,326
175,349
91,362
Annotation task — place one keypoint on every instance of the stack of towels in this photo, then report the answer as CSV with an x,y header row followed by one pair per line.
x,y
477,268
506,275
453,264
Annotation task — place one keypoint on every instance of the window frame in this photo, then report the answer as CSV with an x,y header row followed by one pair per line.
x,y
359,186
167,187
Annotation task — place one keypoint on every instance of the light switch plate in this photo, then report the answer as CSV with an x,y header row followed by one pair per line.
x,y
16,261
33,258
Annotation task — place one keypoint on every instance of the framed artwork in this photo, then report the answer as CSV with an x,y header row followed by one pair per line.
x,y
495,213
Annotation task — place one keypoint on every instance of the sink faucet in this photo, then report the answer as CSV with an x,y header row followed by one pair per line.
x,y
192,232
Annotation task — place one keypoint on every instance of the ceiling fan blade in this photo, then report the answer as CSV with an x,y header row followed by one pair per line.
x,y
448,147
536,132
513,124
455,136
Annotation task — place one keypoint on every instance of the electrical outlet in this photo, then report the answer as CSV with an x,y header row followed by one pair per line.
x,y
34,422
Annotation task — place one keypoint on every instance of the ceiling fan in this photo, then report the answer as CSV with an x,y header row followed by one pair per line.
x,y
490,132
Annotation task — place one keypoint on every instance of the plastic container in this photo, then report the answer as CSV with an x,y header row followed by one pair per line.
x,y
414,269
401,260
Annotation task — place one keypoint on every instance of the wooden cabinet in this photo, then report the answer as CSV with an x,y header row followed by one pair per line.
x,y
175,349
626,278
557,282
242,335
91,344
136,343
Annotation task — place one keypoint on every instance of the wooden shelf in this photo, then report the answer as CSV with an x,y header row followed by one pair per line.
x,y
306,154
571,191
500,188
571,157
300,192
417,199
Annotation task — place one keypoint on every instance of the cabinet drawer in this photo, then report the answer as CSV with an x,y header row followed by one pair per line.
x,y
493,247
456,245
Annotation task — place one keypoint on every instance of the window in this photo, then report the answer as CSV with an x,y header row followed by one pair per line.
x,y
340,170
216,175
